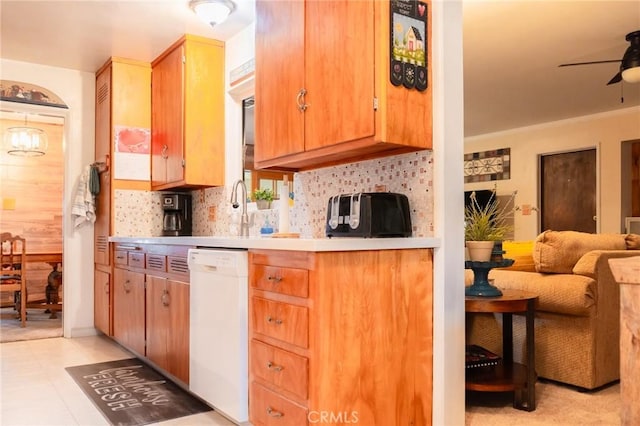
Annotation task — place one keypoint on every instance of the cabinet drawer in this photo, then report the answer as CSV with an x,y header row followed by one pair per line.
x,y
157,262
294,282
120,257
282,321
270,409
281,368
136,259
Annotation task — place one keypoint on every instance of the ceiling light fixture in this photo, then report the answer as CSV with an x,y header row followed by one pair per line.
x,y
630,66
212,12
25,141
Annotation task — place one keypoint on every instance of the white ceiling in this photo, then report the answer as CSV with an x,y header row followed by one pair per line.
x,y
512,48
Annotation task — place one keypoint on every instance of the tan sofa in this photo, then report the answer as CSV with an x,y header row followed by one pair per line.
x,y
577,317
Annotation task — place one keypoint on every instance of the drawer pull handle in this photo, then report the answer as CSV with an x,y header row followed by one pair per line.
x,y
274,367
272,320
127,286
275,279
274,413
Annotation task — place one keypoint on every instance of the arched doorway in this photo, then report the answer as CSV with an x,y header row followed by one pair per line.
x,y
32,204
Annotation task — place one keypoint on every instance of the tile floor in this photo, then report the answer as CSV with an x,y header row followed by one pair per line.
x,y
35,388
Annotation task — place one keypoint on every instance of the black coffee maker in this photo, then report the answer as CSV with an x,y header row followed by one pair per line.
x,y
177,215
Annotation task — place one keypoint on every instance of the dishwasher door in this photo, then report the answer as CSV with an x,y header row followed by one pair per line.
x,y
218,364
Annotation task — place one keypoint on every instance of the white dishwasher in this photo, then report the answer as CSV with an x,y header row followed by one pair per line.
x,y
218,371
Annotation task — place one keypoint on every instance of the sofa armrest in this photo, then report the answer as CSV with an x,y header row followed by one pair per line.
x,y
595,264
607,318
590,263
559,293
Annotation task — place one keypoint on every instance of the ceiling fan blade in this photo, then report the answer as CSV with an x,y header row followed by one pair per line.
x,y
616,78
589,63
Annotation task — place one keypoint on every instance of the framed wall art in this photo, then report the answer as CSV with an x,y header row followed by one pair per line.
x,y
487,165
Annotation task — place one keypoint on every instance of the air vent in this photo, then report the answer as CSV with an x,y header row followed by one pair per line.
x,y
156,262
102,243
103,92
178,265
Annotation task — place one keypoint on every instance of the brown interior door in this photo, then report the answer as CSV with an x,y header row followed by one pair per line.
x,y
568,191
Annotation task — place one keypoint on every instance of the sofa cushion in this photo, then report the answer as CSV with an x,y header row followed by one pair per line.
x,y
633,241
558,251
559,293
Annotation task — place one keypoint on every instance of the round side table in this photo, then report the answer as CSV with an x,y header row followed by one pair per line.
x,y
508,375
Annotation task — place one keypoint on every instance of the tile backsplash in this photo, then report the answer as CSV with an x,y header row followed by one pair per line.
x,y
410,174
137,213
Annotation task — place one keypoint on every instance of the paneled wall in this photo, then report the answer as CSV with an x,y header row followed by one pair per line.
x,y
31,194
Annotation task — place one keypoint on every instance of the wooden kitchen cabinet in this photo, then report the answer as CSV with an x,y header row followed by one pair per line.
x,y
151,304
102,301
187,115
123,100
168,325
325,340
129,309
323,91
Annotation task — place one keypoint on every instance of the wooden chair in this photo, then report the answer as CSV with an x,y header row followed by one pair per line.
x,y
13,277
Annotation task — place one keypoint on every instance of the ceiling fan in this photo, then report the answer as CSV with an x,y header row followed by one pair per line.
x,y
629,64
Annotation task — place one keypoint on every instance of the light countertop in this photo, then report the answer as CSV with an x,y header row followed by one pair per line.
x,y
298,244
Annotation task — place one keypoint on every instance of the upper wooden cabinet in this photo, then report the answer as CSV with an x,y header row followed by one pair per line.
x,y
323,89
123,100
187,115
123,103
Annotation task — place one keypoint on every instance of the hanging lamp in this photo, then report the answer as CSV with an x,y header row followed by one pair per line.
x,y
25,141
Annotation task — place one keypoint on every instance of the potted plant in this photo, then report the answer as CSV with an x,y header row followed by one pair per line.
x,y
263,198
485,225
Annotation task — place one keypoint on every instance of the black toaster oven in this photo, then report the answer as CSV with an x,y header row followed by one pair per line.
x,y
369,215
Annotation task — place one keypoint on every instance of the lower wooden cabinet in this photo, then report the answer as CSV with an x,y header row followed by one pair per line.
x,y
168,325
151,304
102,301
334,346
129,309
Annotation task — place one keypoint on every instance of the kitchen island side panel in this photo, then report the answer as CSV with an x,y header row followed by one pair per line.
x,y
372,334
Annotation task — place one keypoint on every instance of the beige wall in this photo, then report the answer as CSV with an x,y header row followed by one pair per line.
x,y
605,132
77,90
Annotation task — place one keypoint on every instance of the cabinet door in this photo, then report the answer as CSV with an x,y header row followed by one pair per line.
x,y
168,325
339,72
101,302
103,150
129,309
167,118
279,77
204,105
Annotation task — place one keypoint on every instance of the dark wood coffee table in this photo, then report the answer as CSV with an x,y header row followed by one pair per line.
x,y
507,375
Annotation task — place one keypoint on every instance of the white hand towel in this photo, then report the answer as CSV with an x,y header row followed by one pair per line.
x,y
84,206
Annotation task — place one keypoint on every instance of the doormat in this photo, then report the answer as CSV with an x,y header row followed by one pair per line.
x,y
129,392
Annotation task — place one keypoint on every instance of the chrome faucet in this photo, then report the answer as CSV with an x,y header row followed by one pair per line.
x,y
244,218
